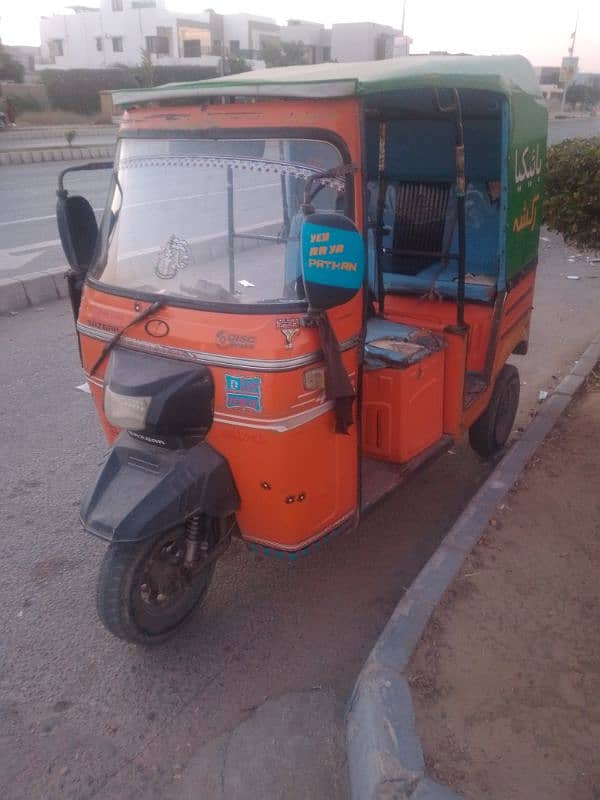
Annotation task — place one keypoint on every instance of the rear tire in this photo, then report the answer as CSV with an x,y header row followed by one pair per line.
x,y
137,605
490,432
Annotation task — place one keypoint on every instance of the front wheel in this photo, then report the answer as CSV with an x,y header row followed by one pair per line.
x,y
145,590
490,432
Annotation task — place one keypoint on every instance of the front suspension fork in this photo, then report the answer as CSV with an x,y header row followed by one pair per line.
x,y
199,549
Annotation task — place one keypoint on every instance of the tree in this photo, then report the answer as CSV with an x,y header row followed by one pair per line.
x,y
236,64
283,54
583,93
10,68
146,69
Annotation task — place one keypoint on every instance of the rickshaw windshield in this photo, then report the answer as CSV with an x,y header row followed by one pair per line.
x,y
213,220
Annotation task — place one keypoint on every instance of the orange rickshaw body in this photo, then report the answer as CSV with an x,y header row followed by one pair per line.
x,y
298,481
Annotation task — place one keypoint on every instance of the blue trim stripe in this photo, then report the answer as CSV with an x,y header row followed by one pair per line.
x,y
295,555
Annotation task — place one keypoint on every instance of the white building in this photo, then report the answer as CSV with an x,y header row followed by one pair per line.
x,y
362,41
314,36
245,34
119,32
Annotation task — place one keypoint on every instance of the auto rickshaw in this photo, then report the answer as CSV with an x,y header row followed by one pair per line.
x,y
305,285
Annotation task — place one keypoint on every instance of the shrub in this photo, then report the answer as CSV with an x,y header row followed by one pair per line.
x,y
572,191
25,103
79,89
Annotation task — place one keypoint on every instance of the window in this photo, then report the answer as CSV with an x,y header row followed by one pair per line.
x,y
117,5
56,47
157,44
234,46
166,230
117,44
192,48
99,44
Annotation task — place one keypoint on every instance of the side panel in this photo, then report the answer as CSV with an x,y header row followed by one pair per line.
x,y
526,164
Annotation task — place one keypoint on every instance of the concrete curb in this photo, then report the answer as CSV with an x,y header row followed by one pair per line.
x,y
385,756
44,155
34,289
53,131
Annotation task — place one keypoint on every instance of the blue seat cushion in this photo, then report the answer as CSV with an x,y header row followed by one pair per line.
x,y
480,287
392,344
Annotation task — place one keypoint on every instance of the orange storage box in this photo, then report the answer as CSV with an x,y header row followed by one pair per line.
x,y
403,391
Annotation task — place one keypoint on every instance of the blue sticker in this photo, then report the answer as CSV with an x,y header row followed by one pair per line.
x,y
243,393
332,256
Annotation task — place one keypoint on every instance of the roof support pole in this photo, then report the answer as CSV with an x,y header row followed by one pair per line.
x,y
230,230
459,155
379,221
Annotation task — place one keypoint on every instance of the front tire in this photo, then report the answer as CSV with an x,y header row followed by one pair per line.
x,y
144,591
490,432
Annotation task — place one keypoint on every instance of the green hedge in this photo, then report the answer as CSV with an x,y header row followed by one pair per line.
x,y
572,191
26,103
79,89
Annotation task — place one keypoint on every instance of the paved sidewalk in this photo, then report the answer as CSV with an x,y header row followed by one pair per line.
x,y
506,680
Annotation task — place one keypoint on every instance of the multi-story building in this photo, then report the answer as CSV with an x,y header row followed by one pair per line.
x,y
245,34
362,41
120,31
314,36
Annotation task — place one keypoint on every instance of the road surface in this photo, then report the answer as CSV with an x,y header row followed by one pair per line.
x,y
28,235
87,716
560,129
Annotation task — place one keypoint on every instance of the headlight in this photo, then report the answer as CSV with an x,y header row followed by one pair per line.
x,y
167,402
126,411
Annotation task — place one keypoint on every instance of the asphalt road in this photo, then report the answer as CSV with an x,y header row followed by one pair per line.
x,y
560,129
28,235
87,716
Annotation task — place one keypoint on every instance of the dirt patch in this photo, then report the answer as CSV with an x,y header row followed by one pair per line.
x,y
506,679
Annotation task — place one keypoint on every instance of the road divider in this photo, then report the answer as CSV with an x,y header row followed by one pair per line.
x,y
46,154
31,290
23,132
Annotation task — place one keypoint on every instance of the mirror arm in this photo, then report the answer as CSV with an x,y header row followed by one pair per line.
x,y
335,172
94,165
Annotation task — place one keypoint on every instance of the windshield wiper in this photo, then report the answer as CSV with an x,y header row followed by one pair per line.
x,y
116,338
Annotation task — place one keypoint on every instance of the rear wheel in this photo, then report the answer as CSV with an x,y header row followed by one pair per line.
x,y
145,590
490,432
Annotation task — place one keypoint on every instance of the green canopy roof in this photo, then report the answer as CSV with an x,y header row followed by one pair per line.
x,y
504,74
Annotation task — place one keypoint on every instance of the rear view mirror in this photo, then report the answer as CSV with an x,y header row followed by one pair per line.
x,y
78,231
333,260
77,228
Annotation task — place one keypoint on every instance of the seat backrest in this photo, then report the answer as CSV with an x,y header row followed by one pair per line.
x,y
419,222
414,220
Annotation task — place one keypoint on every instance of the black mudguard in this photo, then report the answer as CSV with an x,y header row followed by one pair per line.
x,y
143,490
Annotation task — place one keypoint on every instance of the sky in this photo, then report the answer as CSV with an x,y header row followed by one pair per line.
x,y
537,29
